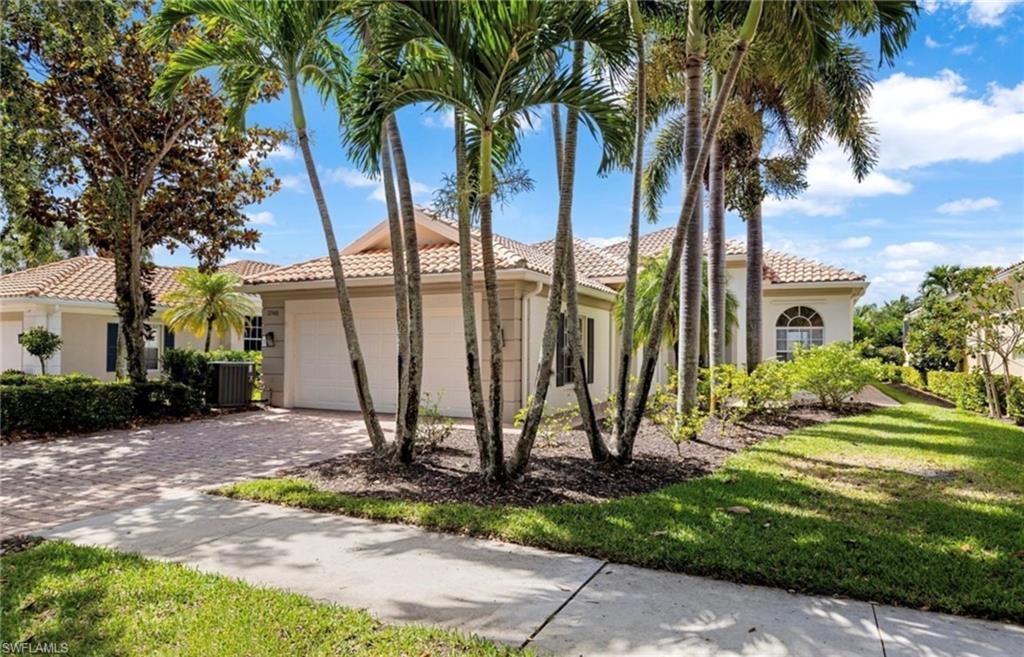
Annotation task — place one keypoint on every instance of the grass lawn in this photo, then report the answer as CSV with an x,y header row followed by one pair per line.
x,y
101,602
913,505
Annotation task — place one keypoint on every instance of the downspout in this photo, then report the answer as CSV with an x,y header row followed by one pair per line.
x,y
525,376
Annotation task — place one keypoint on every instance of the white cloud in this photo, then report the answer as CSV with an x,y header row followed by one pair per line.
x,y
960,206
354,179
931,43
861,242
444,120
966,49
283,152
602,242
989,13
419,190
262,218
914,250
294,183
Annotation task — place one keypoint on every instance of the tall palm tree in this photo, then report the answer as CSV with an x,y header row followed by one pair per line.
x,y
208,302
647,297
257,46
941,279
482,58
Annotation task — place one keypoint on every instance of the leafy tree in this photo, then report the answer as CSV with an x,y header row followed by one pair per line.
x,y
936,334
995,327
40,343
208,302
882,326
141,173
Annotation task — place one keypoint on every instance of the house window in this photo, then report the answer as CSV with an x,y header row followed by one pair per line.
x,y
252,338
152,349
799,325
563,362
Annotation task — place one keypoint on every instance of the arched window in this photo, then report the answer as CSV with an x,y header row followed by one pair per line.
x,y
799,325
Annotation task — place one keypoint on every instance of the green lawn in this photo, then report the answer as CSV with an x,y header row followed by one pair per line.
x,y
840,508
100,602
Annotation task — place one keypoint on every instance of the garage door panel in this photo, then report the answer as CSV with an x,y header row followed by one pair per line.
x,y
323,376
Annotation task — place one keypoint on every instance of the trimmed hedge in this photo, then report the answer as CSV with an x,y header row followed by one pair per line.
x,y
77,403
965,389
1015,402
911,376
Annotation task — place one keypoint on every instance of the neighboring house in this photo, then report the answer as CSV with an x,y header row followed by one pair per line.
x,y
74,298
305,359
1016,363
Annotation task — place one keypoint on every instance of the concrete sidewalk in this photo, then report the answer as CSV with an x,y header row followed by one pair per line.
x,y
564,604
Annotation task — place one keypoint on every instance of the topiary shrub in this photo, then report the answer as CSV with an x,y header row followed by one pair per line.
x,y
40,343
833,372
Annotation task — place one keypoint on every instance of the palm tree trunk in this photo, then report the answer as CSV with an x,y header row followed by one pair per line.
x,y
633,255
400,282
415,297
476,388
693,247
209,334
755,269
348,320
496,457
716,250
651,348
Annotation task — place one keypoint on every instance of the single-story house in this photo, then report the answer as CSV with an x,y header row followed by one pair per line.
x,y
305,360
74,298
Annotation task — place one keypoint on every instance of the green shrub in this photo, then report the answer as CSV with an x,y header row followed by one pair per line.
x,y
833,372
911,376
157,399
553,422
892,355
767,389
16,378
1015,402
191,369
57,406
434,427
40,343
965,389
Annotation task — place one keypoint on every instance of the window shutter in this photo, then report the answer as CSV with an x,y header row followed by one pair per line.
x,y
590,350
112,347
560,353
168,338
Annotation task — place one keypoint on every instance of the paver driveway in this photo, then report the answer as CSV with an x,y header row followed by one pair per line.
x,y
43,484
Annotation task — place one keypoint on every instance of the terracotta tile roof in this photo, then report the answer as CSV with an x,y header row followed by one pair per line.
x,y
778,267
434,259
85,278
591,261
248,267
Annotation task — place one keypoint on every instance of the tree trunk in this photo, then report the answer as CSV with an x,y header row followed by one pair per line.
x,y
651,348
400,282
691,278
42,365
994,408
633,255
496,457
716,250
209,334
415,296
134,323
473,376
755,275
348,321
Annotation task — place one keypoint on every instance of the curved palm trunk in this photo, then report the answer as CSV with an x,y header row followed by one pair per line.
x,y
476,388
693,247
650,357
633,255
348,321
755,269
414,377
400,284
496,456
209,334
716,253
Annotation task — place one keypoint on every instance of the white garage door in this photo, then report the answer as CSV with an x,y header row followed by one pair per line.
x,y
322,375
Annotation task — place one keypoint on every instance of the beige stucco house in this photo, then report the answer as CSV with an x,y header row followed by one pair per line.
x,y
305,359
1015,363
74,298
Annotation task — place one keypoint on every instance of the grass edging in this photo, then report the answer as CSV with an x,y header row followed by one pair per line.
x,y
848,508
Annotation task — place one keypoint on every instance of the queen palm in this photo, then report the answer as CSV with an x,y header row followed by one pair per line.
x,y
483,59
208,302
258,47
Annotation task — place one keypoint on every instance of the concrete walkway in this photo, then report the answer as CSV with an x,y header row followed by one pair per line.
x,y
564,604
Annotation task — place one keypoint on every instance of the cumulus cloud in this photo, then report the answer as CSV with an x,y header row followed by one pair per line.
x,y
294,183
444,120
963,205
283,152
602,242
355,179
861,242
262,218
914,250
931,43
989,13
965,49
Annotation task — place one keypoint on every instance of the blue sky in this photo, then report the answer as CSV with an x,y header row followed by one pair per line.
x,y
949,187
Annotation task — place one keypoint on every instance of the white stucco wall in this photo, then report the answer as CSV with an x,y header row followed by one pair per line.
x,y
835,308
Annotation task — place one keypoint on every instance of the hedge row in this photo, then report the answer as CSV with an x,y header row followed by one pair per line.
x,y
967,391
59,404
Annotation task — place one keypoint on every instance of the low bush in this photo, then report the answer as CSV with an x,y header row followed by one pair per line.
x,y
157,399
965,389
57,406
1015,402
190,368
767,389
434,427
833,372
16,378
913,377
553,423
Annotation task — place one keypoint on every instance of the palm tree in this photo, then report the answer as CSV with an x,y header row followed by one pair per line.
x,y
647,295
258,46
208,302
482,59
941,279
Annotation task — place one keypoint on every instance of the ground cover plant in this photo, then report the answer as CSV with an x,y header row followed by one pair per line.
x,y
99,602
913,505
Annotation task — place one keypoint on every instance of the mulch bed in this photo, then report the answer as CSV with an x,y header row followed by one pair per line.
x,y
558,473
17,543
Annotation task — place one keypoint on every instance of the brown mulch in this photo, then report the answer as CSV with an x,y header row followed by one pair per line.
x,y
558,473
17,543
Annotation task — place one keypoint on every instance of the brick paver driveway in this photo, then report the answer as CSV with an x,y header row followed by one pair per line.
x,y
47,483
